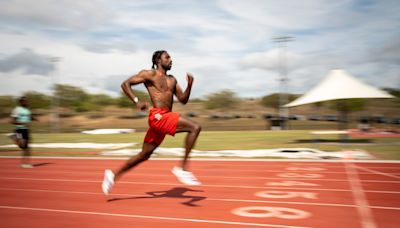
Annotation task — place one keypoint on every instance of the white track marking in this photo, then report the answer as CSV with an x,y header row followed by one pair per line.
x,y
300,161
203,185
300,175
366,216
37,171
271,212
385,208
305,169
144,216
291,183
163,169
211,199
274,194
197,169
377,172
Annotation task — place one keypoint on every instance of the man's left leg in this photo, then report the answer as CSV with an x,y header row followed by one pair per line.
x,y
193,129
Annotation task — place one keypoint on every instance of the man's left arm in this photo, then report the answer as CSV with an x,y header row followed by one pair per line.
x,y
183,97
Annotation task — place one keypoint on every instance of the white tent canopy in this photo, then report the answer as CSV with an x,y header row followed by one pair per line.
x,y
338,84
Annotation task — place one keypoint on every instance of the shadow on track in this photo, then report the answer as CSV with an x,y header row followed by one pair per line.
x,y
42,164
177,192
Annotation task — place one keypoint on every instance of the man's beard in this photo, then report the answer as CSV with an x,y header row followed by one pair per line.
x,y
167,67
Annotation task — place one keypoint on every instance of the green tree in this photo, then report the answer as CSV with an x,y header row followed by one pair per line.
x,y
70,96
87,106
394,92
38,100
7,103
272,100
222,99
101,99
95,102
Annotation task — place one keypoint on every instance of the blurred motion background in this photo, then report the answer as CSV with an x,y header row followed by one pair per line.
x,y
248,58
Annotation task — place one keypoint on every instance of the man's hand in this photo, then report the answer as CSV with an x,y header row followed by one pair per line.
x,y
34,118
189,78
142,106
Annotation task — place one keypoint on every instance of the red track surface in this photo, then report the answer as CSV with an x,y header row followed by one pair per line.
x,y
67,193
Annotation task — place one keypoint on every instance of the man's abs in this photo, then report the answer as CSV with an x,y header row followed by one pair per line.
x,y
161,100
164,105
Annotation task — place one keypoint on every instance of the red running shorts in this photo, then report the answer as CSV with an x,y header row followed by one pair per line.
x,y
161,122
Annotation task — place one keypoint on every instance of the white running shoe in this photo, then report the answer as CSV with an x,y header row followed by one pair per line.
x,y
12,136
185,177
108,181
26,166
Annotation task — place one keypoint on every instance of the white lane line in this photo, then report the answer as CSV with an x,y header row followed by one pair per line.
x,y
263,168
385,208
100,171
377,172
363,208
277,161
203,185
201,176
300,161
146,217
212,199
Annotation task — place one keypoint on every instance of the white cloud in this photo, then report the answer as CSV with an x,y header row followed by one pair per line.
x,y
226,44
275,59
56,14
284,15
17,83
28,62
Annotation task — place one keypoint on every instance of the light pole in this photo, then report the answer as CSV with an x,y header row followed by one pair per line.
x,y
55,102
283,78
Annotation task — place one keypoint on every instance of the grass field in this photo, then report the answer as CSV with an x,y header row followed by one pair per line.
x,y
381,148
218,134
115,117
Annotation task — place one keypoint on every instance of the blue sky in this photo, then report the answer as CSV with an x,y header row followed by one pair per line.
x,y
225,44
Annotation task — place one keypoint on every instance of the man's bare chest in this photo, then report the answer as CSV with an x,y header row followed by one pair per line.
x,y
163,84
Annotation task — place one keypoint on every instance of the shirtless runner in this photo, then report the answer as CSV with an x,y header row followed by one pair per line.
x,y
162,120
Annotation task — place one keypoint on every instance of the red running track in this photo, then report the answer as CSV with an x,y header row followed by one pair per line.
x,y
66,193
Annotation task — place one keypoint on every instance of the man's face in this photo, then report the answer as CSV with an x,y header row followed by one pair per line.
x,y
166,61
24,102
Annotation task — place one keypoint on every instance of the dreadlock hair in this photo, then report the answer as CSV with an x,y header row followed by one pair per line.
x,y
22,98
156,56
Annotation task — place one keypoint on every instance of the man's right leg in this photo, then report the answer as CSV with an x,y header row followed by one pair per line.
x,y
147,150
26,153
14,138
110,177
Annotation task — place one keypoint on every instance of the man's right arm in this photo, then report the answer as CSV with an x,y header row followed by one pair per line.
x,y
14,115
14,121
139,78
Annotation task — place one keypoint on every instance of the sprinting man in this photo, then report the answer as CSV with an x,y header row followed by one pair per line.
x,y
162,121
21,117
